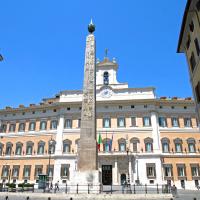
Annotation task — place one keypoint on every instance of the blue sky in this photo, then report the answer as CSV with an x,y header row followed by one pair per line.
x,y
43,44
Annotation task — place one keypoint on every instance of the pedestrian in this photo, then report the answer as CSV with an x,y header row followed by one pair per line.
x,y
57,186
51,186
174,191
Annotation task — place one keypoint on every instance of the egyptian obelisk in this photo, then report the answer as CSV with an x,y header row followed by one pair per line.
x,y
87,152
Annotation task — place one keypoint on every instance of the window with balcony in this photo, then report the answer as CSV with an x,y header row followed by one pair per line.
x,y
181,170
175,122
21,127
15,171
107,143
54,124
148,144
18,150
8,148
64,173
146,121
29,148
165,145
187,122
27,171
12,128
68,123
194,170
162,122
151,170
41,146
38,171
106,123
122,144
121,122
67,146
178,145
32,126
50,171
43,125
167,170
191,145
5,171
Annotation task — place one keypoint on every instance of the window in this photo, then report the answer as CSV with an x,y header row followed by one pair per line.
x,y
18,150
165,145
191,145
135,142
188,42
167,170
133,121
43,125
181,170
27,171
77,144
31,126
1,149
68,123
187,122
121,122
175,122
3,128
146,121
107,143
29,148
65,171
122,144
50,171
162,121
148,144
196,42
12,128
67,146
105,78
41,145
21,127
5,171
15,171
178,145
151,171
54,124
191,25
194,170
52,147
9,148
79,123
106,122
192,62
197,91
38,170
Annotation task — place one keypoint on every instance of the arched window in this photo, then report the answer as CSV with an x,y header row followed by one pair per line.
x,y
29,148
9,148
148,144
31,126
105,78
191,145
135,141
77,144
21,127
178,145
165,145
43,125
67,146
18,150
41,145
107,143
122,144
54,124
52,146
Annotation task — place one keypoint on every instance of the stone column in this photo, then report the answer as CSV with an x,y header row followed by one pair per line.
x,y
155,132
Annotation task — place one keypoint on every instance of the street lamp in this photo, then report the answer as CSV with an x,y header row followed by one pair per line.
x,y
138,180
128,179
50,151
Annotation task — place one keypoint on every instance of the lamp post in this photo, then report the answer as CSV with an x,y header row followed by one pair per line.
x,y
128,179
138,180
50,149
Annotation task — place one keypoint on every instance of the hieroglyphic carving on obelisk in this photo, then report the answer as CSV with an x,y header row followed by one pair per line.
x,y
87,152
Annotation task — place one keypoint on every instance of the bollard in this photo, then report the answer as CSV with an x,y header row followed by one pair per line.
x,y
171,198
6,198
49,198
27,198
70,198
195,198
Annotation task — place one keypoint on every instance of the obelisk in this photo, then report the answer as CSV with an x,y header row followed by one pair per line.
x,y
87,152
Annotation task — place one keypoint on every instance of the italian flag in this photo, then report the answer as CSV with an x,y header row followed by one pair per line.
x,y
99,141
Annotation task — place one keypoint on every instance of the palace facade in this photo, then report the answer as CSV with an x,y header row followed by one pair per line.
x,y
145,139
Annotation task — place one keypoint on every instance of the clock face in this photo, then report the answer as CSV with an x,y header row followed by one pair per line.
x,y
106,93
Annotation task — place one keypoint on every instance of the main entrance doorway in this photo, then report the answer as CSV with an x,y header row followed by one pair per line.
x,y
107,174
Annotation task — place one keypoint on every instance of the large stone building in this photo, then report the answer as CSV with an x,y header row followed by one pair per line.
x,y
146,139
189,43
